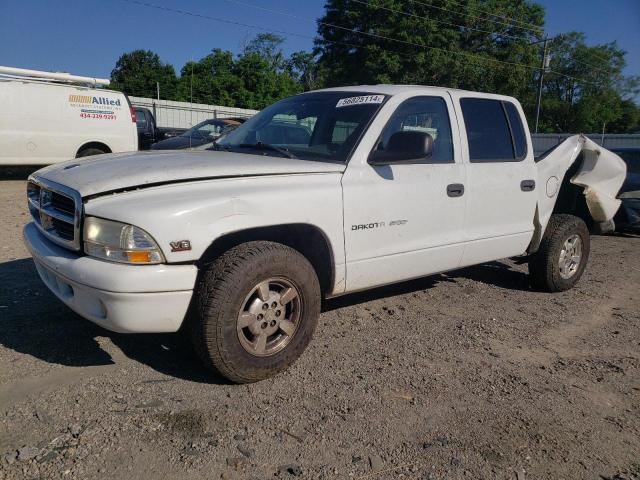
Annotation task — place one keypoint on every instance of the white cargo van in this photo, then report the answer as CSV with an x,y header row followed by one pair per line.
x,y
51,117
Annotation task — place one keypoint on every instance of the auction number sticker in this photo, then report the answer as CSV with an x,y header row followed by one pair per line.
x,y
364,99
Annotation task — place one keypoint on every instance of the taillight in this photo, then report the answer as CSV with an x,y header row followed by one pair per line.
x,y
133,114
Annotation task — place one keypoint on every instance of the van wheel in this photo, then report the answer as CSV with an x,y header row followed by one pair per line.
x,y
87,152
255,311
562,257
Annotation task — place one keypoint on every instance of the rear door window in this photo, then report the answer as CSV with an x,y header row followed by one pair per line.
x,y
494,130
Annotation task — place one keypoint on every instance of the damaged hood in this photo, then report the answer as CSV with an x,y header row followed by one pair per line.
x,y
121,171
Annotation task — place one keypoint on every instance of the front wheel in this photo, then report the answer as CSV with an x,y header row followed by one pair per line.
x,y
256,309
562,257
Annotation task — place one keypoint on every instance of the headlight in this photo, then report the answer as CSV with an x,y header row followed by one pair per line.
x,y
119,242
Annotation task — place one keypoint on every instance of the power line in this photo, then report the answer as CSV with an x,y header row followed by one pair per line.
x,y
590,52
408,14
369,34
538,30
405,42
511,21
367,3
376,35
571,58
215,19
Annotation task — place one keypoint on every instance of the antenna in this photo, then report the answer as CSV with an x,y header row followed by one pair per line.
x,y
55,76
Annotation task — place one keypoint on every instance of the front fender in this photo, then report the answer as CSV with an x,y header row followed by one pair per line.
x,y
202,211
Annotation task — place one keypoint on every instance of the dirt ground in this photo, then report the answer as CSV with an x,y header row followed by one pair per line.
x,y
465,375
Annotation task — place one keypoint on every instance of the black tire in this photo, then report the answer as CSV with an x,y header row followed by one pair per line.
x,y
221,295
87,152
544,265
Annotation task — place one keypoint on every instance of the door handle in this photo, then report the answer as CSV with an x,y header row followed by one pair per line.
x,y
527,185
455,190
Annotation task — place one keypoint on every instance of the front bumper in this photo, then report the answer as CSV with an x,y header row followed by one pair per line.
x,y
121,298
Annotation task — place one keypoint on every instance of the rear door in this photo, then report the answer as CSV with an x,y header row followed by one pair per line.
x,y
500,177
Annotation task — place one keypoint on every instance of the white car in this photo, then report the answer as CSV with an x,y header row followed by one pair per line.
x,y
48,117
239,245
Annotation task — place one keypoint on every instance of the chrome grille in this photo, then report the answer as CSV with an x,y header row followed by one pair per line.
x,y
56,210
63,204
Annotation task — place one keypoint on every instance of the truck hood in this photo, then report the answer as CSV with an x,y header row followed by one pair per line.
x,y
123,171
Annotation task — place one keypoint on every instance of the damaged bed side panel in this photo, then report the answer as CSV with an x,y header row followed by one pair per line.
x,y
600,174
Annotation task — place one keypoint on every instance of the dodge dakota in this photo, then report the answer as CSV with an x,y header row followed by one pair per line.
x,y
319,195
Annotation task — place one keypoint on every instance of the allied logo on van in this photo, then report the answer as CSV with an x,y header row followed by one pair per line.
x,y
88,99
101,108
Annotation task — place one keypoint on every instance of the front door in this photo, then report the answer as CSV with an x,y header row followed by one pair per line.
x,y
405,220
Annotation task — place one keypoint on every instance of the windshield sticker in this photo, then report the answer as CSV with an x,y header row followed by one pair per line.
x,y
347,102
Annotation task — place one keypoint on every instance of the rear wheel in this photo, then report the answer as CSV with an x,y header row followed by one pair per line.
x,y
87,152
257,307
562,257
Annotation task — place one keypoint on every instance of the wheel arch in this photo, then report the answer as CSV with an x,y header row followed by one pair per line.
x,y
571,197
569,200
99,145
307,239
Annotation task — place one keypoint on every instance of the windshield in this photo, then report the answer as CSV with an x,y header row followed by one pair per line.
x,y
209,129
312,126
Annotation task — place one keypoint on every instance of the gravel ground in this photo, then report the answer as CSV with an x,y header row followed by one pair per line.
x,y
464,375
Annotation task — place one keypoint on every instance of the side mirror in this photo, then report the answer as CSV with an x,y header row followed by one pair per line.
x,y
404,147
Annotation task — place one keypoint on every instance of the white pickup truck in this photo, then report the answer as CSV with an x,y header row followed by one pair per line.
x,y
318,195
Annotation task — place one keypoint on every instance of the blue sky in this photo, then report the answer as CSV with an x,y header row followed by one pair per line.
x,y
86,37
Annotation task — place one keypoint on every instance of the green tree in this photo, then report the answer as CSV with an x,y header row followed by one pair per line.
x,y
395,41
138,72
456,43
303,68
254,79
628,121
262,84
263,70
586,88
212,79
267,47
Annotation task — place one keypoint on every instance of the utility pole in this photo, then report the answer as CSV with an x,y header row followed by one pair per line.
x,y
158,89
543,67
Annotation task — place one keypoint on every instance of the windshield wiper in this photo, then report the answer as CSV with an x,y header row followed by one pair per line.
x,y
268,146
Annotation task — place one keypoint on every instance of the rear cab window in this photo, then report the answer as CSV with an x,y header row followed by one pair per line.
x,y
495,132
